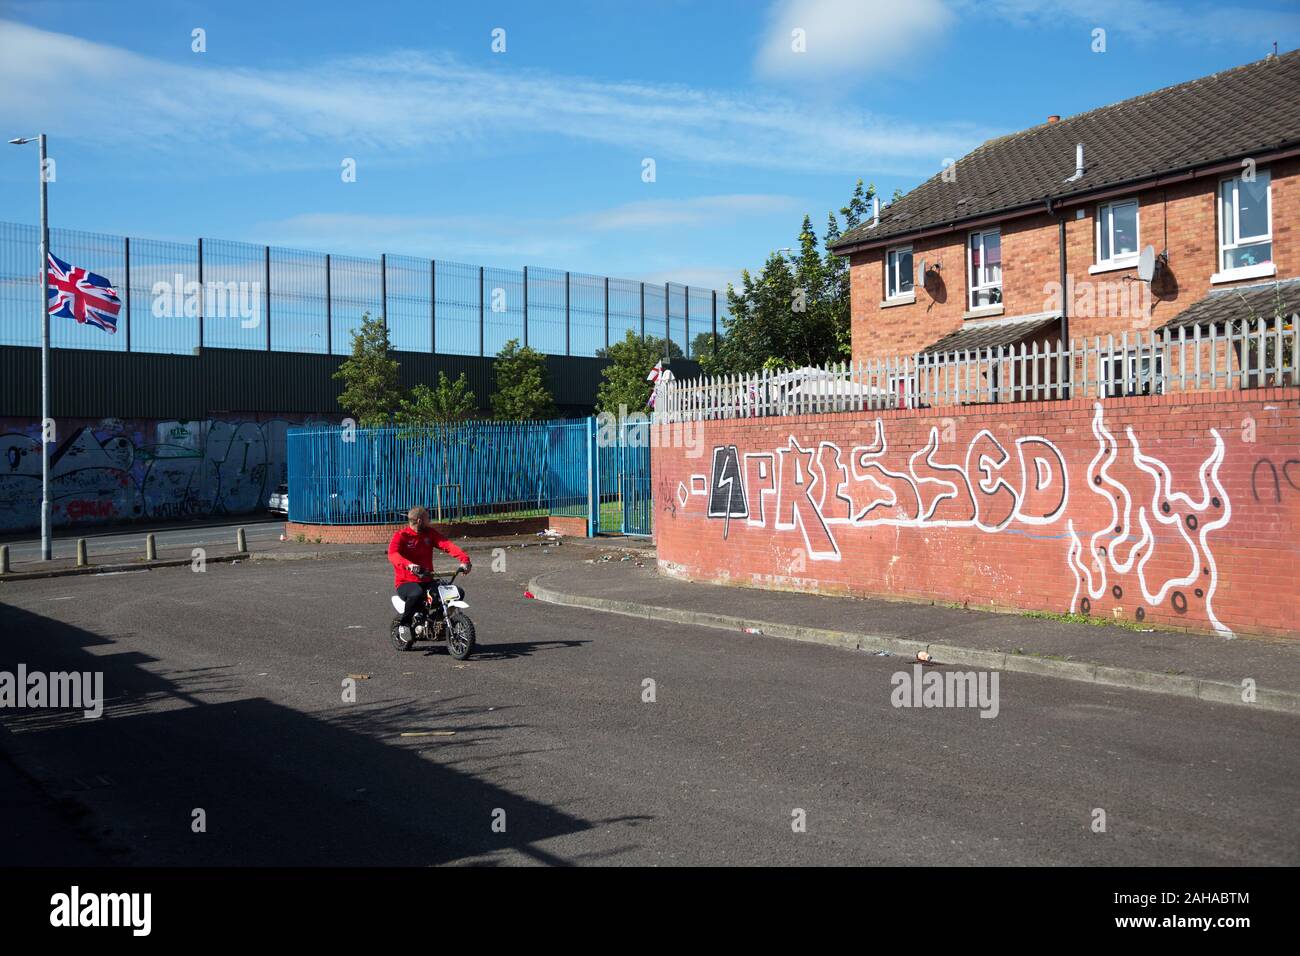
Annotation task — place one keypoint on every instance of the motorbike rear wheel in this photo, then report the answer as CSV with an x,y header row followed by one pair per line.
x,y
395,634
460,635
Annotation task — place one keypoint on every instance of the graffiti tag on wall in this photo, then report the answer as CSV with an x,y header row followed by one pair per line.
x,y
113,470
815,490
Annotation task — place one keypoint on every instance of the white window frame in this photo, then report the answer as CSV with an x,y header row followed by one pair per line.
x,y
893,292
1146,374
971,285
905,390
1108,222
1259,269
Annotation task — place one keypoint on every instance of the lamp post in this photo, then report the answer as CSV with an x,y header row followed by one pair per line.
x,y
47,548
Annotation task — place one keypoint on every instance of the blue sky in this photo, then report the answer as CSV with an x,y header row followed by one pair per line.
x,y
535,155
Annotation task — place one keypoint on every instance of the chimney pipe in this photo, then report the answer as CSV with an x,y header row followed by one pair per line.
x,y
1078,164
875,211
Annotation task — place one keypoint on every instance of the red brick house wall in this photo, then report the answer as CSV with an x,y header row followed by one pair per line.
x,y
1175,510
1031,268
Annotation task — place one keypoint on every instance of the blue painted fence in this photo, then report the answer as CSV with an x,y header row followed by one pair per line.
x,y
461,471
472,470
623,481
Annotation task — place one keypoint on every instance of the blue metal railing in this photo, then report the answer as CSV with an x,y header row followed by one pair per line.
x,y
457,471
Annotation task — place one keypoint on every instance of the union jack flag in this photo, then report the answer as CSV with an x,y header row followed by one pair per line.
x,y
81,295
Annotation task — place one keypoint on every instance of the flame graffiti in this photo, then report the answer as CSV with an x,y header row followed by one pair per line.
x,y
1127,544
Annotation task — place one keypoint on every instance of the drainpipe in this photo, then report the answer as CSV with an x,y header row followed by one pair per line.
x,y
1065,297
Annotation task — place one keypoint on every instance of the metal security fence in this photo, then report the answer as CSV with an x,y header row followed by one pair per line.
x,y
460,471
623,498
181,296
1235,355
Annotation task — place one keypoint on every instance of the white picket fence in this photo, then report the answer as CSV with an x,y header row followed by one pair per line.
x,y
1190,359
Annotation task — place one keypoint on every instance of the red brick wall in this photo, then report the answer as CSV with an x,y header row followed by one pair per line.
x,y
1030,262
569,525
381,533
1027,506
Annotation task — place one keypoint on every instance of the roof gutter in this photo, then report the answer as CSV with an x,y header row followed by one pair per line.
x,y
1069,199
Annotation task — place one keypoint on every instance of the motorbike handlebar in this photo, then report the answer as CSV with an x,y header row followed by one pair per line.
x,y
428,576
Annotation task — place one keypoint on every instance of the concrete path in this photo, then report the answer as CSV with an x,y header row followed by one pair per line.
x,y
1189,665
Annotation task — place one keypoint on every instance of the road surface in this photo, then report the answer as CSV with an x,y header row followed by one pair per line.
x,y
226,699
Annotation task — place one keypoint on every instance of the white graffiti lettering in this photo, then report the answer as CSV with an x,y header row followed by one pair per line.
x,y
1193,519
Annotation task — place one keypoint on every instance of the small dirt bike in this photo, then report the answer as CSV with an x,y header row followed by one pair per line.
x,y
442,618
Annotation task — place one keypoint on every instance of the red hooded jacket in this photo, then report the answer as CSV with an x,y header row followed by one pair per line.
x,y
409,546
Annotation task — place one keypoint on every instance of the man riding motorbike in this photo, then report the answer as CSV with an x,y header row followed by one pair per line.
x,y
410,552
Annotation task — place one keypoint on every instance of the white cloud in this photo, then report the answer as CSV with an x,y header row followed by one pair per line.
x,y
513,238
700,277
1151,21
466,237
696,211
413,103
847,39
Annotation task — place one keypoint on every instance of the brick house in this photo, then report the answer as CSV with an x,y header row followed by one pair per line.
x,y
1036,236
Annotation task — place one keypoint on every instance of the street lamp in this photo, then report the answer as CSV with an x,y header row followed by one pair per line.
x,y
47,549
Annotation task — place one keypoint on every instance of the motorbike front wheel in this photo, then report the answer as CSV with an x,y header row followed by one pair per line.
x,y
460,635
395,633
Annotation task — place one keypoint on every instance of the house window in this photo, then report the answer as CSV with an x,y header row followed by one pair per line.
x,y
904,389
1245,228
898,273
1146,374
1117,233
985,268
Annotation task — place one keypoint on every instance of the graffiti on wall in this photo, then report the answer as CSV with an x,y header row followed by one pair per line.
x,y
117,470
1126,544
816,490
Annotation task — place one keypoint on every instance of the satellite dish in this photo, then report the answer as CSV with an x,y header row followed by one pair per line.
x,y
1147,264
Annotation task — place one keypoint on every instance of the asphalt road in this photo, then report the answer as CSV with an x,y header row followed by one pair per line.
x,y
103,543
225,695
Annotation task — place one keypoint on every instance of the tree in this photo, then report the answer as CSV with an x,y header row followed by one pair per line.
x,y
371,393
796,311
625,376
449,402
702,348
523,391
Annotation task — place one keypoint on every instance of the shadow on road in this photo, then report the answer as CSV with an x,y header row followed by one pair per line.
x,y
505,652
276,786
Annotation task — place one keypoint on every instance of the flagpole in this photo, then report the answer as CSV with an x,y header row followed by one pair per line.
x,y
47,546
47,424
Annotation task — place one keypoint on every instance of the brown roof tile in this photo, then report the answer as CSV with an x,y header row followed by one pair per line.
x,y
990,335
1251,302
1229,115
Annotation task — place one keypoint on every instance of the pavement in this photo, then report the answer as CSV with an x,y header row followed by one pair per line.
x,y
117,544
112,550
597,739
1173,662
